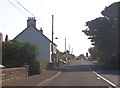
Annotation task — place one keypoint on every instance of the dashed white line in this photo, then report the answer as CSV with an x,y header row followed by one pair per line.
x,y
104,78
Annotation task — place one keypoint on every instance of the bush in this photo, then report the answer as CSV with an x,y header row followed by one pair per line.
x,y
15,54
42,65
36,67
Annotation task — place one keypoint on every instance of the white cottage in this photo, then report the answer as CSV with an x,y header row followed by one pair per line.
x,y
35,36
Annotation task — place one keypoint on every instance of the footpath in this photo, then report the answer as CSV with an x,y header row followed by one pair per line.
x,y
31,80
34,80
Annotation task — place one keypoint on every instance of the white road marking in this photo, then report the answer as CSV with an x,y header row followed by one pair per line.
x,y
98,78
42,83
104,78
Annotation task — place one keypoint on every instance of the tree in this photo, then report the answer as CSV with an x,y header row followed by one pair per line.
x,y
16,54
94,54
103,32
81,56
59,54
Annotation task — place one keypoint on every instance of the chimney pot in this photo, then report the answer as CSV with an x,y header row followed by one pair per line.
x,y
41,30
31,21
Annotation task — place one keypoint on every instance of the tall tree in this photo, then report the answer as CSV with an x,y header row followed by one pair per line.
x,y
103,32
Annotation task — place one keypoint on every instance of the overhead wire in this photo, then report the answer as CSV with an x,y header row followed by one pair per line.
x,y
27,10
24,9
17,8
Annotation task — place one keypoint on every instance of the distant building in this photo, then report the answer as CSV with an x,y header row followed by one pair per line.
x,y
35,36
1,37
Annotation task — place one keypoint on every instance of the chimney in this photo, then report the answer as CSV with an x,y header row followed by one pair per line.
x,y
1,37
6,38
31,22
41,30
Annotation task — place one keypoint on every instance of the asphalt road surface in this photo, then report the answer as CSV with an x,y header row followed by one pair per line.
x,y
77,74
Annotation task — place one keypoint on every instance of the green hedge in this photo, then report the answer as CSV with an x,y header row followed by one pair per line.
x,y
42,65
36,67
16,54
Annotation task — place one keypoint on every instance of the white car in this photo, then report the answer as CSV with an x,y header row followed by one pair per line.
x,y
63,61
1,66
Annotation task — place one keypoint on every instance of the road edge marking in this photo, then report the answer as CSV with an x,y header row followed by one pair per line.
x,y
48,79
103,78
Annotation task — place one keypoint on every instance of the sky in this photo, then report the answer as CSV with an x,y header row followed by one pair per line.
x,y
70,17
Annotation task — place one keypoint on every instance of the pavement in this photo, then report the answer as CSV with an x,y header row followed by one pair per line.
x,y
31,80
35,80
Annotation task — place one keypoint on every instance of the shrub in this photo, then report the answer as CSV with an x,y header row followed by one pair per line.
x,y
16,53
42,65
34,67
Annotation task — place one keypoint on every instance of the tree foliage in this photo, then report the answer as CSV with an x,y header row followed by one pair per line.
x,y
36,67
81,56
16,54
103,32
59,55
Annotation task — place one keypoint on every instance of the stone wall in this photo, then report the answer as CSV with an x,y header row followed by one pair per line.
x,y
14,73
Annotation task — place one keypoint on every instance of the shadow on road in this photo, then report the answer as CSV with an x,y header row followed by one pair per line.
x,y
85,68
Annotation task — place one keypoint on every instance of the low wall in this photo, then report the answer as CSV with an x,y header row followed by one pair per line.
x,y
13,73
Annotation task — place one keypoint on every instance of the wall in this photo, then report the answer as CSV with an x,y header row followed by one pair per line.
x,y
54,51
13,73
34,36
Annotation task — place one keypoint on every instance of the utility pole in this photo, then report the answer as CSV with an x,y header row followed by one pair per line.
x,y
52,42
65,48
65,44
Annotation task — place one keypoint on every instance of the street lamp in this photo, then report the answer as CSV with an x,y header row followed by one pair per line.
x,y
56,37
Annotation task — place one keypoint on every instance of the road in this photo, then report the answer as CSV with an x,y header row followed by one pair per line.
x,y
77,74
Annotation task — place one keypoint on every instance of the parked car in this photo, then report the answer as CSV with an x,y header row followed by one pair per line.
x,y
63,61
1,66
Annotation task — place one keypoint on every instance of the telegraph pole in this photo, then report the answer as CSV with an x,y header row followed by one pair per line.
x,y
52,42
65,48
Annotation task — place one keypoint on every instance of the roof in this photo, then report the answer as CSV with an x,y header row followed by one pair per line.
x,y
39,32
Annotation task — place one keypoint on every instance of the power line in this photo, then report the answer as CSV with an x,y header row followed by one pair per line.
x,y
25,8
17,8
